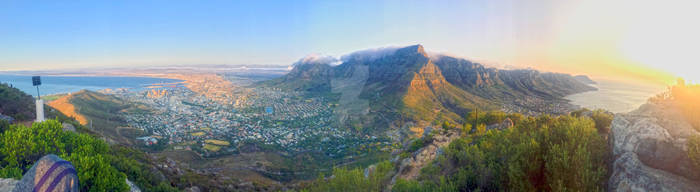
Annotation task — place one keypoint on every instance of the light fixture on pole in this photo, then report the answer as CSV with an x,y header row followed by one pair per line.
x,y
36,81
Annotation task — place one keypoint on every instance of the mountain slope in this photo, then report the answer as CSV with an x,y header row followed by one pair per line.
x,y
312,76
101,112
15,103
407,83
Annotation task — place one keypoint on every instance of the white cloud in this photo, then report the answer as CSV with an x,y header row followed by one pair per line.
x,y
370,54
318,59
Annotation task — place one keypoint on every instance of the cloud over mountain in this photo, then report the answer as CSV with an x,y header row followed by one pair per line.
x,y
317,59
370,54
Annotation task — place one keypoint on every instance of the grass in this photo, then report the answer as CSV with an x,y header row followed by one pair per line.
x,y
211,147
48,98
217,142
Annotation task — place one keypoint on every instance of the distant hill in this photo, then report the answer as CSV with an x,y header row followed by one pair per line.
x,y
584,79
407,83
103,111
16,104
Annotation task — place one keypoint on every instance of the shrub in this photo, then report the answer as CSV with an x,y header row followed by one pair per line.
x,y
23,146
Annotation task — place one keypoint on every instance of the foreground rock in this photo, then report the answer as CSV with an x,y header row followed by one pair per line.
x,y
7,184
650,151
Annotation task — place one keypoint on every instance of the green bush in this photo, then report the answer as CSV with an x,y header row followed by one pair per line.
x,y
354,179
539,154
416,145
23,146
694,150
4,125
602,120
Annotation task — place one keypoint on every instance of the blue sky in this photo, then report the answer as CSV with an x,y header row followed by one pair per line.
x,y
596,36
50,34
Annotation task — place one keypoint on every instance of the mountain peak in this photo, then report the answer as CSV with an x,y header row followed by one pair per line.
x,y
413,49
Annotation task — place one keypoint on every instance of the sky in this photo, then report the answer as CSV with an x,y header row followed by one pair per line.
x,y
649,40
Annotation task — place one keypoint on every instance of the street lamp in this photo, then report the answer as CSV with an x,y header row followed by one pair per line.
x,y
36,81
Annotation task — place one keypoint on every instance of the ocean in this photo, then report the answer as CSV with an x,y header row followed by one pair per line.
x,y
616,96
69,84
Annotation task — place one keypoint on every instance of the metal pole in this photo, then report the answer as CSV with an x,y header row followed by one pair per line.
x,y
37,92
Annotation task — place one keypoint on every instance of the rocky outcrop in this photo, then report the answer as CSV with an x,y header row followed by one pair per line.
x,y
7,184
650,152
409,168
132,186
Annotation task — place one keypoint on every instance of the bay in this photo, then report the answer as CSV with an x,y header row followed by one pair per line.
x,y
616,96
69,84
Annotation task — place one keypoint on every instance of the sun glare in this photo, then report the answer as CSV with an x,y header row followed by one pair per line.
x,y
665,38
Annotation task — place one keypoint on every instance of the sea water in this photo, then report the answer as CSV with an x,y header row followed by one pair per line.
x,y
616,96
69,84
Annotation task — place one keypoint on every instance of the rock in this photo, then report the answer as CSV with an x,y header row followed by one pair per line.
x,y
7,184
369,170
132,186
49,172
507,123
193,189
68,127
649,150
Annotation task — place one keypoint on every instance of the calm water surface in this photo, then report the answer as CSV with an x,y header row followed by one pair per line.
x,y
70,84
616,96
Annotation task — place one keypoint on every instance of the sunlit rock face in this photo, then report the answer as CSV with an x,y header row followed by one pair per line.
x,y
650,152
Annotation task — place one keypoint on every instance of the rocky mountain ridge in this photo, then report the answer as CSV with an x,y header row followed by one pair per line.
x,y
407,83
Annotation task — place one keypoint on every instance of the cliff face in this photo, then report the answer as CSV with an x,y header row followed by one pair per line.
x,y
650,151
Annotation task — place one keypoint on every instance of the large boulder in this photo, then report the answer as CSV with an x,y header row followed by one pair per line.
x,y
650,152
50,173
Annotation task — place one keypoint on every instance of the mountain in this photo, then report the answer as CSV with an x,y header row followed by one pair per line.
x,y
408,83
307,75
584,79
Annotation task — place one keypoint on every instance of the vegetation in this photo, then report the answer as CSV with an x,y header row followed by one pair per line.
x,y
99,168
490,117
134,163
538,154
687,95
602,120
694,150
4,125
15,103
344,179
546,153
23,146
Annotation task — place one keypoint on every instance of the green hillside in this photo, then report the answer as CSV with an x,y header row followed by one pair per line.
x,y
105,115
16,104
100,167
545,153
